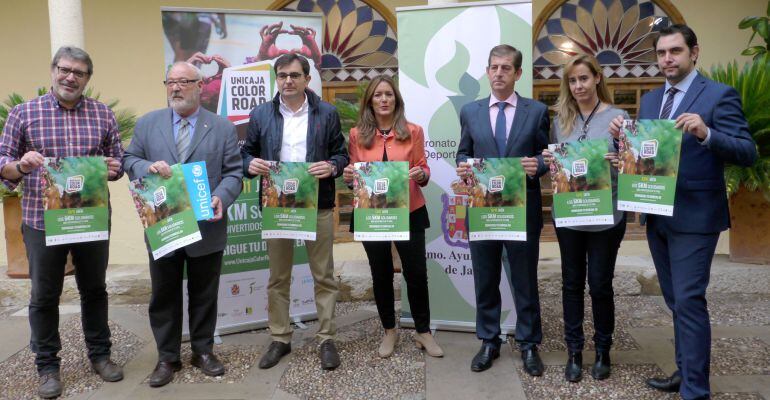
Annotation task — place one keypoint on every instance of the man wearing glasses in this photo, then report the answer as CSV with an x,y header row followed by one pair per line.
x,y
297,126
182,133
62,123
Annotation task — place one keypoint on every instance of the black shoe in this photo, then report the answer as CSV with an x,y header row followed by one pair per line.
x,y
482,361
208,363
108,370
274,353
573,371
50,386
669,384
330,359
164,373
532,362
601,369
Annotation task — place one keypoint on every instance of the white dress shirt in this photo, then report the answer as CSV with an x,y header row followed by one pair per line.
x,y
294,144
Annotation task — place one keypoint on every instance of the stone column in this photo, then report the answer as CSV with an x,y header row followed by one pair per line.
x,y
66,23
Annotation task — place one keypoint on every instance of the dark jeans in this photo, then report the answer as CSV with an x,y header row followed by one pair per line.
x,y
414,270
46,270
594,253
166,302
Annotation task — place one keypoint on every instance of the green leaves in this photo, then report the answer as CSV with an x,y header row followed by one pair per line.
x,y
760,26
752,81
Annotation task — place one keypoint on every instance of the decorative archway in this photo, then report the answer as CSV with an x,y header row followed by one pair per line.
x,y
359,39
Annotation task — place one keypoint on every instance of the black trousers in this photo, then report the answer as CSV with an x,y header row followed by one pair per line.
x,y
592,254
414,270
46,270
166,302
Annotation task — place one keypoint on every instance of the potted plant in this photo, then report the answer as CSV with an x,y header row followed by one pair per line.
x,y
16,253
749,187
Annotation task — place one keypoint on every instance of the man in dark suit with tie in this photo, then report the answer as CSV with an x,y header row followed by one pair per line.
x,y
182,133
715,132
507,125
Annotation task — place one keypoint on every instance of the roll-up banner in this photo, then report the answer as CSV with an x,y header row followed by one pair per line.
x,y
235,50
443,53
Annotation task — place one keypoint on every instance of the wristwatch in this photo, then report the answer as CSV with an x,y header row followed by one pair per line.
x,y
18,168
334,168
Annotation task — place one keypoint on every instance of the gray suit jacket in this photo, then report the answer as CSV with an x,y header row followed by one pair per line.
x,y
527,138
214,141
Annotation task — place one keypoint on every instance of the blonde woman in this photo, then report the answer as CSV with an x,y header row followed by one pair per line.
x,y
383,134
584,110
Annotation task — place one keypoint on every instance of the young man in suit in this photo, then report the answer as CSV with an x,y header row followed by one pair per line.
x,y
186,132
715,132
297,126
507,125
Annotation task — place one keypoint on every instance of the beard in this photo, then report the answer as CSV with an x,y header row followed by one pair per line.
x,y
184,104
66,95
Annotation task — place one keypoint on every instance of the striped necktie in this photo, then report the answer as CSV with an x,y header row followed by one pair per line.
x,y
665,113
183,140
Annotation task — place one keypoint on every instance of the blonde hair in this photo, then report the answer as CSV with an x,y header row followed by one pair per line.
x,y
367,123
566,106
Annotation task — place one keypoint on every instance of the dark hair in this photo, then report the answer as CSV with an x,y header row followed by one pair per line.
x,y
504,50
289,58
73,53
689,36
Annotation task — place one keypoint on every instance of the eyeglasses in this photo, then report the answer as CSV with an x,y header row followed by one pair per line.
x,y
180,82
64,72
293,75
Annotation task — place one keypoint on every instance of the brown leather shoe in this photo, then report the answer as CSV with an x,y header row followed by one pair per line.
x,y
50,386
108,370
208,363
164,373
274,353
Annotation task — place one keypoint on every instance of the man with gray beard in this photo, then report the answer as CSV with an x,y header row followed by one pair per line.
x,y
182,133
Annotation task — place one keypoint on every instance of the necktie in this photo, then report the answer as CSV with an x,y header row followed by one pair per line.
x,y
665,113
500,128
183,139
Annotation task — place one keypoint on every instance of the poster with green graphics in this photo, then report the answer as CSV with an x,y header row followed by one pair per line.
x,y
497,197
648,153
75,200
381,200
165,210
289,202
581,182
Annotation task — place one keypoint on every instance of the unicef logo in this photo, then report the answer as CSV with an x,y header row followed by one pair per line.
x,y
197,170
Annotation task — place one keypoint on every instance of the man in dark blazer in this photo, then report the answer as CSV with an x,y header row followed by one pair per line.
x,y
507,125
182,133
715,132
297,126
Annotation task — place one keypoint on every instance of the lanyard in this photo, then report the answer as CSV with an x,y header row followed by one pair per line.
x,y
587,121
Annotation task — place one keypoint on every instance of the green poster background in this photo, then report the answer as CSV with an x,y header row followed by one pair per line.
x,y
649,164
75,200
289,202
381,212
581,183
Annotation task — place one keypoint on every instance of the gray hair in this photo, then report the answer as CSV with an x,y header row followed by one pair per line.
x,y
73,53
196,70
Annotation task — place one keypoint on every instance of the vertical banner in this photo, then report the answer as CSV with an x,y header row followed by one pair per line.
x,y
582,187
75,200
442,66
381,200
649,163
236,51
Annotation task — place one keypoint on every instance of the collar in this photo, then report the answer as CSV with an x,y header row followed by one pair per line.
x,y
286,108
192,119
55,101
512,100
684,84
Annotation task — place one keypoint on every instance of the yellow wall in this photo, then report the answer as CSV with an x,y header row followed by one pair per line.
x,y
124,39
